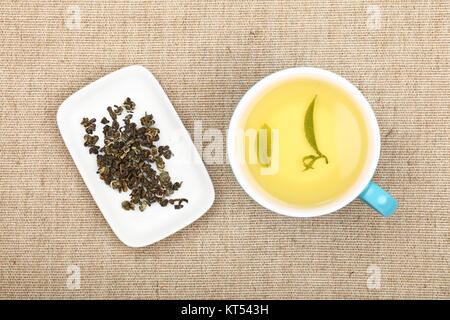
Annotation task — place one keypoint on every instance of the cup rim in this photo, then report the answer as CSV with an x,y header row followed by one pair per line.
x,y
289,210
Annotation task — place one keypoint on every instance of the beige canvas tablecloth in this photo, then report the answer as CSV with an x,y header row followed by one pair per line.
x,y
206,54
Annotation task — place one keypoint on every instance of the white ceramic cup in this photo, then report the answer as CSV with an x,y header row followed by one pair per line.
x,y
367,191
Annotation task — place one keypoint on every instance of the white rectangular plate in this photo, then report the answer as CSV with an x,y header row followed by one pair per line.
x,y
135,228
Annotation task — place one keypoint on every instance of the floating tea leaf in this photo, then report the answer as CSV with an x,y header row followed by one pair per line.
x,y
264,157
308,161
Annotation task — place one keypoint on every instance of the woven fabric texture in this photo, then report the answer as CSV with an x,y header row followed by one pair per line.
x,y
206,55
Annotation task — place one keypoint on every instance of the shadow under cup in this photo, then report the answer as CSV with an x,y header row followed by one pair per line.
x,y
367,191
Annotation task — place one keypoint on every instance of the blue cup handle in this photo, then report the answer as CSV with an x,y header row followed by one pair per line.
x,y
378,199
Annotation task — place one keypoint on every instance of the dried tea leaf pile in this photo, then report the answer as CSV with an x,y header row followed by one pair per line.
x,y
128,157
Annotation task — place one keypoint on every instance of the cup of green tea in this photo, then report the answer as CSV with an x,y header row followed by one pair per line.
x,y
305,142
